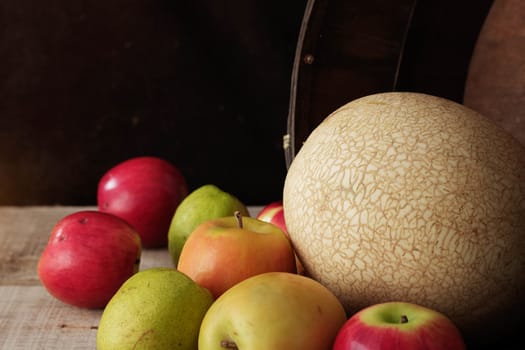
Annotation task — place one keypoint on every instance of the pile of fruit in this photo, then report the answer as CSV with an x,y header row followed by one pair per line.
x,y
236,281
240,282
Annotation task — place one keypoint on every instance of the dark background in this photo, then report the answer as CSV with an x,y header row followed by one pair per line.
x,y
85,85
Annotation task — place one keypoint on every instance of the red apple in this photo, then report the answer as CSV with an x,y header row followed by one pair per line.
x,y
221,252
396,326
144,191
274,213
87,258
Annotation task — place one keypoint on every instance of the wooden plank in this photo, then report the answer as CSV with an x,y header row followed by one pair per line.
x,y
31,319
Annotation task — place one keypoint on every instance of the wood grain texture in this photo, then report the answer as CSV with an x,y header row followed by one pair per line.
x,y
31,319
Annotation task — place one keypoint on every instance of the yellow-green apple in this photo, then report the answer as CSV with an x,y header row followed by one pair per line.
x,y
221,252
399,326
158,308
87,258
205,203
144,191
274,310
274,213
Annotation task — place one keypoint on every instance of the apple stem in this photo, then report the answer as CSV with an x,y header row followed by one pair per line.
x,y
228,344
404,319
238,216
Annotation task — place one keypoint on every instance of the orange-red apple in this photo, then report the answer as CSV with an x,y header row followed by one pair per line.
x,y
221,252
274,213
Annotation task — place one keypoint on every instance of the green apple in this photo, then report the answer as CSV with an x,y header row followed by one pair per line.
x,y
274,310
205,203
158,308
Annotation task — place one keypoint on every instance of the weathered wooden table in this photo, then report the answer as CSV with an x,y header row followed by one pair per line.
x,y
30,318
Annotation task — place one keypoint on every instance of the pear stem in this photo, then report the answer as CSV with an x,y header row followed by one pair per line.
x,y
228,344
238,216
404,319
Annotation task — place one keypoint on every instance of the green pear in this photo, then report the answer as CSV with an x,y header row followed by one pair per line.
x,y
158,308
205,203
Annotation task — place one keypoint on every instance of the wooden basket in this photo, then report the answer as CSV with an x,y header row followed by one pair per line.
x,y
349,49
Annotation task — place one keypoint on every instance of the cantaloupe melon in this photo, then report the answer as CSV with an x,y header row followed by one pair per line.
x,y
407,196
